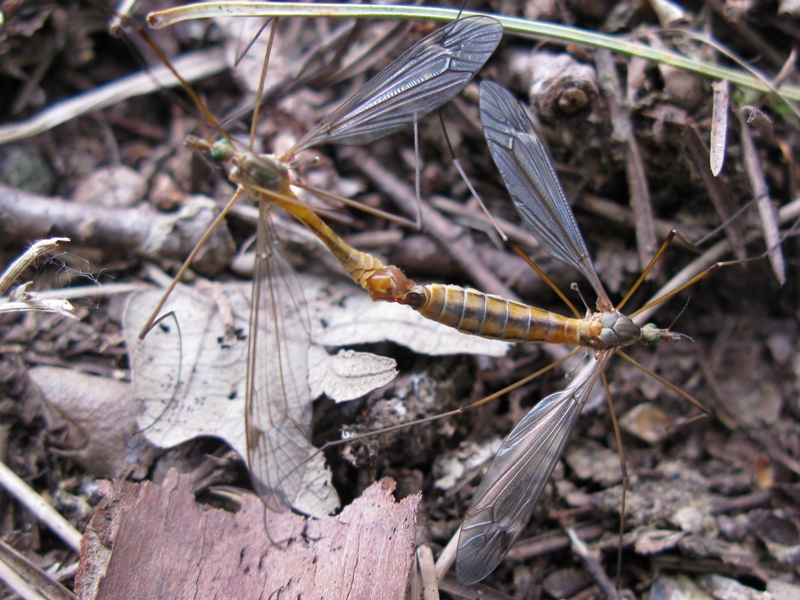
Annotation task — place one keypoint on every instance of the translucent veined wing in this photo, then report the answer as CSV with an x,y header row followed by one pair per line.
x,y
532,181
278,402
511,487
424,78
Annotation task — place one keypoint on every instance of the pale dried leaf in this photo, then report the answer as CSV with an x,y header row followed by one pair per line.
x,y
348,375
647,422
244,52
190,374
668,13
719,125
691,519
789,7
190,370
112,186
101,416
649,541
592,461
681,587
780,534
783,589
725,587
162,368
748,382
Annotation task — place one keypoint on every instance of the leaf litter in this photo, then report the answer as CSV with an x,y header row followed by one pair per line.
x,y
748,460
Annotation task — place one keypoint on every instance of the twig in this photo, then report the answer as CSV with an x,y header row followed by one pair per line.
x,y
617,213
592,564
424,583
716,192
93,291
471,592
477,220
745,35
769,216
787,213
550,543
634,166
192,67
27,579
18,267
145,232
427,571
15,486
448,556
700,156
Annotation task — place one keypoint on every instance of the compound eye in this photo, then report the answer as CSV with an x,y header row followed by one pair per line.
x,y
220,151
650,334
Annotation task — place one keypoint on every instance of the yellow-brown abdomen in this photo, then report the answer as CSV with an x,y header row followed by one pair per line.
x,y
493,317
358,265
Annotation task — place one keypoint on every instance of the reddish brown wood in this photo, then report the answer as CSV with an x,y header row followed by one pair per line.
x,y
150,541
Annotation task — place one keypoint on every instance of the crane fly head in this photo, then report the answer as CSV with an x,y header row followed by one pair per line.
x,y
219,151
653,336
611,329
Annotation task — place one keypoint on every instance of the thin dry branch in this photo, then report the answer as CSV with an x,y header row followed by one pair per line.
x,y
143,231
766,209
634,166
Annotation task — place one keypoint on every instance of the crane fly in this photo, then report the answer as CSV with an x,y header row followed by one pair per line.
x,y
508,493
511,487
278,398
421,80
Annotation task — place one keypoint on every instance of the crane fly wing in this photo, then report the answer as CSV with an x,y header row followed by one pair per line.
x,y
424,78
278,402
532,181
511,487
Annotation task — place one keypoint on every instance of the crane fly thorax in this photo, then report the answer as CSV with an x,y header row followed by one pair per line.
x,y
609,329
260,170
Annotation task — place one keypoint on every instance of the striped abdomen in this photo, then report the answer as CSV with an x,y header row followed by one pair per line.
x,y
358,265
493,317
473,312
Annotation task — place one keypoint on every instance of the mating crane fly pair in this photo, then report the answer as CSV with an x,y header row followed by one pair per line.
x,y
421,80
278,443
